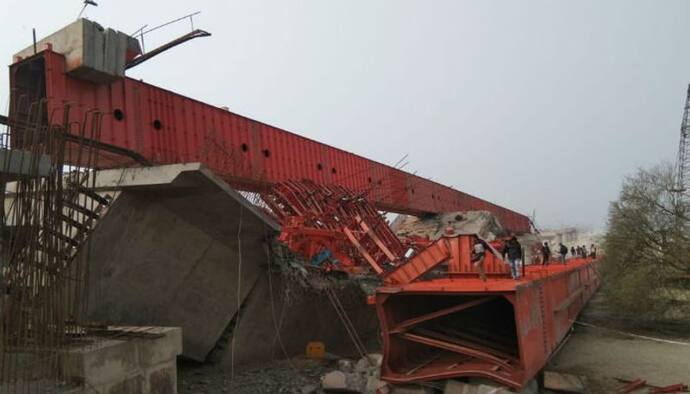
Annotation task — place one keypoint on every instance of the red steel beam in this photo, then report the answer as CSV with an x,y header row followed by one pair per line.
x,y
509,337
165,127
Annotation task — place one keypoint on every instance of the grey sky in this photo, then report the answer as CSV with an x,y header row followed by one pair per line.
x,y
540,105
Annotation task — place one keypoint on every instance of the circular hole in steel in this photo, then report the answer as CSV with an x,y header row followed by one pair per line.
x,y
244,147
319,166
118,114
157,124
412,190
266,152
333,171
369,179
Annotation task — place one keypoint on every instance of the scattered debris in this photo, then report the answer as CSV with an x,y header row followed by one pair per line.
x,y
483,386
483,223
361,376
634,385
565,383
674,388
637,384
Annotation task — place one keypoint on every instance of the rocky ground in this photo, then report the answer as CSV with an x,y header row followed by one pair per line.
x,y
295,376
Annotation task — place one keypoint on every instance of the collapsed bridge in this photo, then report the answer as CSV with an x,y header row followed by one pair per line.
x,y
179,245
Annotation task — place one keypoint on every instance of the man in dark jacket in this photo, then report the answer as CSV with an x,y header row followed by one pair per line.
x,y
545,253
513,251
562,250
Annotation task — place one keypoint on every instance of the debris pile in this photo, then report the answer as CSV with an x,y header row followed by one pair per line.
x,y
361,376
482,223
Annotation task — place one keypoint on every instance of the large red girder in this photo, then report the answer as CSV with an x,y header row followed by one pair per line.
x,y
165,127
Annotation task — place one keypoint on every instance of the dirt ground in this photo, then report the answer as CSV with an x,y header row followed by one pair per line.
x,y
602,354
295,376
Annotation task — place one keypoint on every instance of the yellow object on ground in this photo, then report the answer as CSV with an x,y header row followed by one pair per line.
x,y
316,350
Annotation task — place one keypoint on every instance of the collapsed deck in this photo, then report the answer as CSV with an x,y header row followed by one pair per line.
x,y
501,329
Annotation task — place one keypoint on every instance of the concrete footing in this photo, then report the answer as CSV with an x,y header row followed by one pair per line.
x,y
126,365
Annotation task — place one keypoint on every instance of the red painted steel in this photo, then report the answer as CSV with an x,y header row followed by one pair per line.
x,y
332,226
166,127
501,329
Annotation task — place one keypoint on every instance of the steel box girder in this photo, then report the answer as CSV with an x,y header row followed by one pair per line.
x,y
165,127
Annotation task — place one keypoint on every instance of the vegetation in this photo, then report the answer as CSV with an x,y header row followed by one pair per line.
x,y
647,248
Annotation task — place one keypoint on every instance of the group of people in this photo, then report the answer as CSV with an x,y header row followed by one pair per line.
x,y
579,251
512,253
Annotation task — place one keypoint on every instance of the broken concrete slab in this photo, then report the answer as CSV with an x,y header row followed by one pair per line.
x,y
178,263
565,383
190,255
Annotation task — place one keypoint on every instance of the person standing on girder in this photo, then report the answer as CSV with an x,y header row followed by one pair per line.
x,y
545,253
572,252
477,257
513,250
563,251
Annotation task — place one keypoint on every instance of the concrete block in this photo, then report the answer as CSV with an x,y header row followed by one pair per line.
x,y
102,362
163,379
110,51
160,350
334,380
132,385
90,52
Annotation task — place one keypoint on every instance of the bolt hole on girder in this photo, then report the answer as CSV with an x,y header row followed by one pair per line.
x,y
118,114
267,153
244,147
157,124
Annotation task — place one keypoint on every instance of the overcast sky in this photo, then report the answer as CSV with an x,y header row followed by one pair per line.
x,y
534,105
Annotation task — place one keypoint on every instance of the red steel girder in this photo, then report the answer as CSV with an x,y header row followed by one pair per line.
x,y
319,219
501,329
165,127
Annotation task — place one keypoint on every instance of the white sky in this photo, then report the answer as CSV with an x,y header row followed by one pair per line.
x,y
534,105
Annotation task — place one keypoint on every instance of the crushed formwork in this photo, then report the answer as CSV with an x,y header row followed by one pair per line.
x,y
180,247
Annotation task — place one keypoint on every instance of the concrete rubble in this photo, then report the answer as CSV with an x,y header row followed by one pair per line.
x,y
361,376
482,223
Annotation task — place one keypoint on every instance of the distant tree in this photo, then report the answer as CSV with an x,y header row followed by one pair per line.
x,y
647,245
